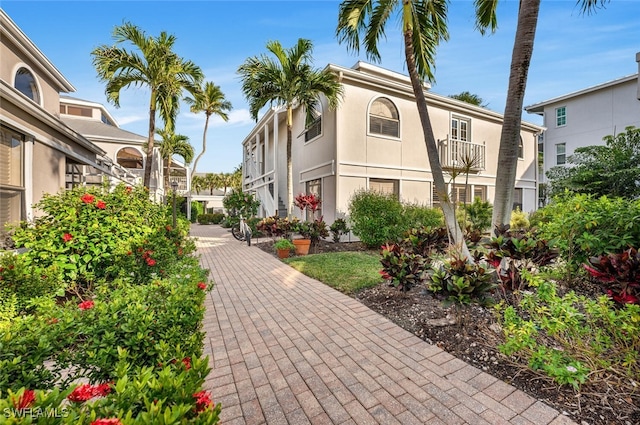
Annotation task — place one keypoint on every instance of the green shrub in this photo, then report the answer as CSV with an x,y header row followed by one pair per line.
x,y
478,215
197,209
417,216
240,203
338,228
376,218
582,226
215,218
592,339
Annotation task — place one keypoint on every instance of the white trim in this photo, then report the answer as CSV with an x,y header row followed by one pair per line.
x,y
383,136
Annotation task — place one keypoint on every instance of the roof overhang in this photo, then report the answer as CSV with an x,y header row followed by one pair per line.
x,y
10,31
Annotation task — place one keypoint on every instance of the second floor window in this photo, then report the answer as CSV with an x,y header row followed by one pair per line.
x,y
315,128
384,118
460,129
26,84
521,149
561,116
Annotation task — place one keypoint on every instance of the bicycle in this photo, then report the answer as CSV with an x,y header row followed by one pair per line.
x,y
241,231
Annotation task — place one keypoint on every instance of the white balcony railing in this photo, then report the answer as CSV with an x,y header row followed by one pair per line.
x,y
458,154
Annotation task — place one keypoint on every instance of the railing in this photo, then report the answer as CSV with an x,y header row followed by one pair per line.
x,y
459,154
182,183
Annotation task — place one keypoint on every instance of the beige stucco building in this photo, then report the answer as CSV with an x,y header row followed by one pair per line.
x,y
51,142
374,140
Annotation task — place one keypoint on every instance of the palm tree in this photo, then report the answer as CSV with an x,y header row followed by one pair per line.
x,y
209,100
211,182
288,81
170,145
510,136
424,25
155,66
197,184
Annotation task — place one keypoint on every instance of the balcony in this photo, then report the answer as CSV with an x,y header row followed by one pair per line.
x,y
457,154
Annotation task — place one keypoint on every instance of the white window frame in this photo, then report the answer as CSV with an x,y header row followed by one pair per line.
x,y
562,154
394,120
561,116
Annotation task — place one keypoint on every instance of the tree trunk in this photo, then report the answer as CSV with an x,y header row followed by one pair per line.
x,y
204,146
152,130
455,233
510,136
289,164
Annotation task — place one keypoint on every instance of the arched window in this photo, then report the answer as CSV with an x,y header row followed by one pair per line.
x,y
130,158
26,84
315,128
384,118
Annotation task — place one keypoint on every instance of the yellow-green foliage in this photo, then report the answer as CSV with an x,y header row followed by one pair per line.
x,y
519,219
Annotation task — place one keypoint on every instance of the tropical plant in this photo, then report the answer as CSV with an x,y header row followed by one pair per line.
x,y
424,25
283,244
470,98
170,145
611,169
288,81
510,135
619,275
154,65
237,202
338,228
402,267
197,184
211,182
211,101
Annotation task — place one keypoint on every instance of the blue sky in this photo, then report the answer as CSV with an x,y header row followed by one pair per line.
x,y
572,51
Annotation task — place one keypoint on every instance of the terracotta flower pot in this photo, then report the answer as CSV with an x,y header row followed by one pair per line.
x,y
283,253
302,246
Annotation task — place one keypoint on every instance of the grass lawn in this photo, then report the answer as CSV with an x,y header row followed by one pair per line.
x,y
348,272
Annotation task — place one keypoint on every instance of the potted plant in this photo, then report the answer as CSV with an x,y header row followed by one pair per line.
x,y
311,233
283,247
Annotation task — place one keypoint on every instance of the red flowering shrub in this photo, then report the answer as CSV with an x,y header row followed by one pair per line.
x,y
67,237
86,392
202,285
101,204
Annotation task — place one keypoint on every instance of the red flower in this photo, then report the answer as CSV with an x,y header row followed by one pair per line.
x,y
87,198
202,285
67,237
109,421
102,390
203,401
101,204
86,305
128,189
81,393
86,392
167,228
151,262
25,401
187,362
52,321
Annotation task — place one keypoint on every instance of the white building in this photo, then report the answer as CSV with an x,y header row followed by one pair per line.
x,y
585,117
374,140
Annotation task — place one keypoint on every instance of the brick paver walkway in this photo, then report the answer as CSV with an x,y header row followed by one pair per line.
x,y
287,349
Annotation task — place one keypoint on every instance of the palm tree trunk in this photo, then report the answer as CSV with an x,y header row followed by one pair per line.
x,y
432,150
152,130
289,164
204,146
510,136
